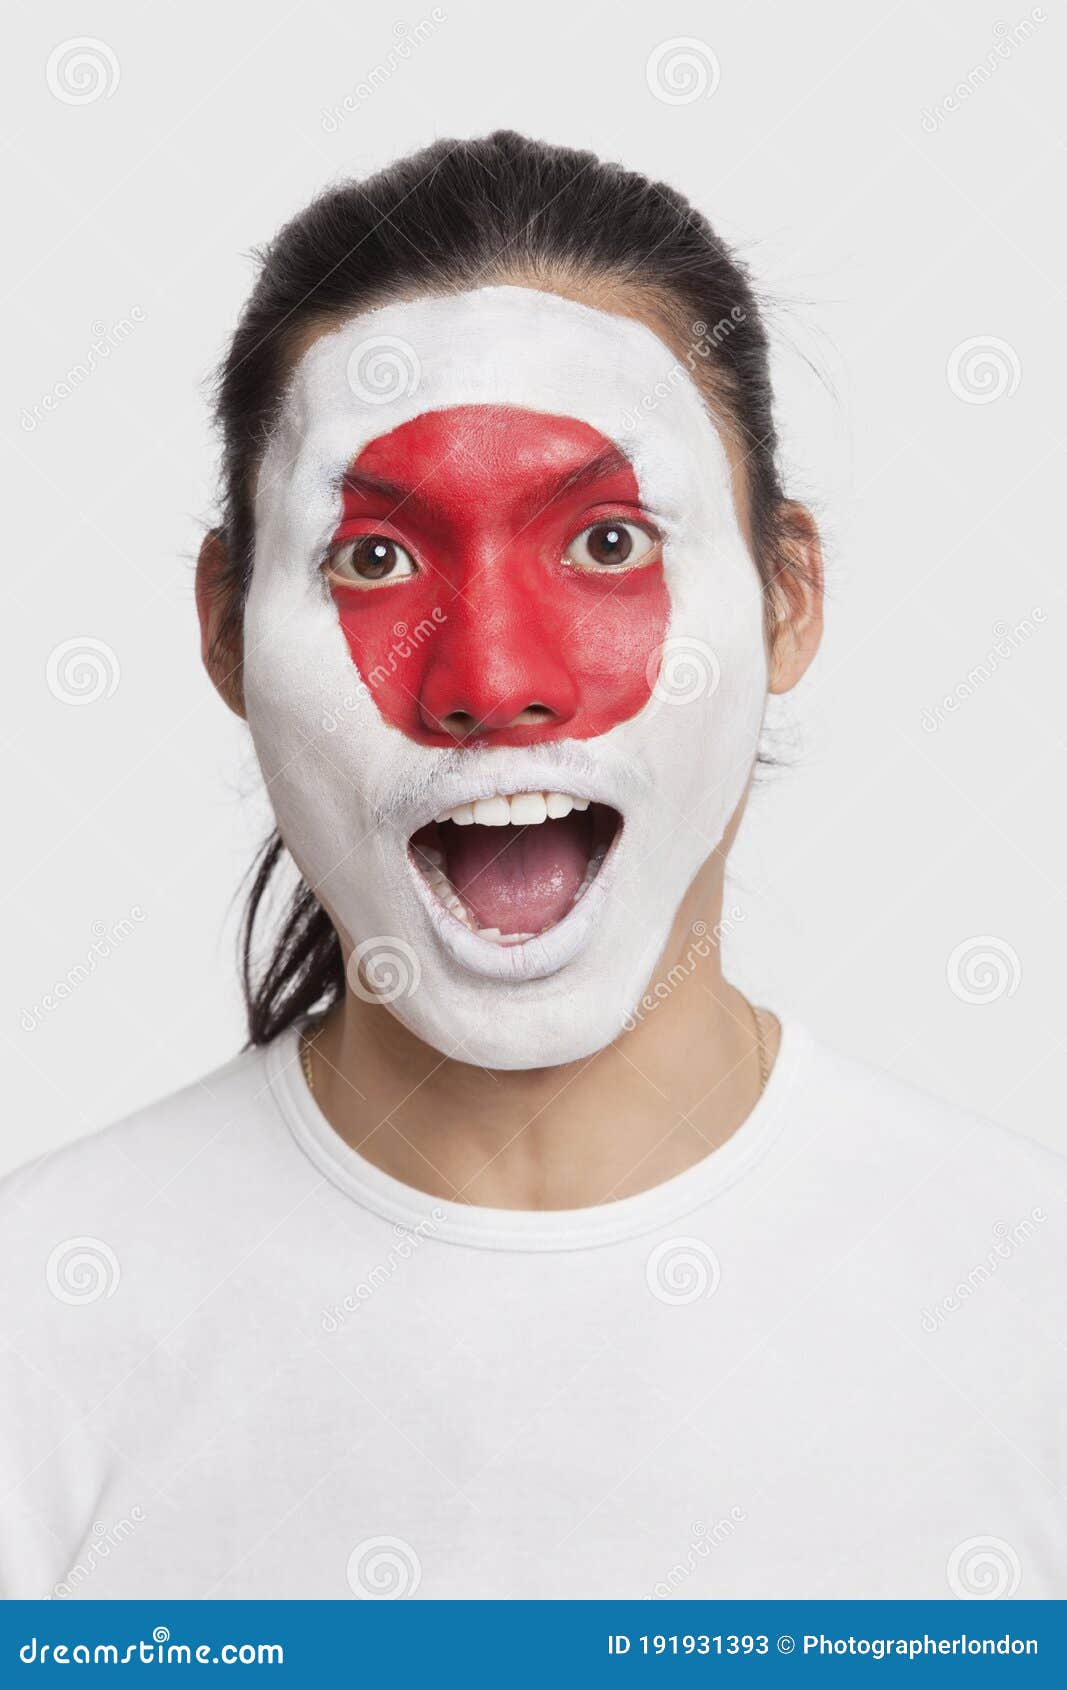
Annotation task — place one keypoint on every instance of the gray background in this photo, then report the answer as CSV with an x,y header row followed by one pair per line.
x,y
890,176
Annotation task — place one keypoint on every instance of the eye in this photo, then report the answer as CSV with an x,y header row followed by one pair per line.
x,y
611,545
369,559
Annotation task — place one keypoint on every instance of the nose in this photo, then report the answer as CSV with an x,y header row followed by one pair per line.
x,y
494,668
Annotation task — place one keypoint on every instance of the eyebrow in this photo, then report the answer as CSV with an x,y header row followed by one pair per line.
x,y
356,481
609,462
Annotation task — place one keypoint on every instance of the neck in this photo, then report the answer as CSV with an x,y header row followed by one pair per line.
x,y
667,1092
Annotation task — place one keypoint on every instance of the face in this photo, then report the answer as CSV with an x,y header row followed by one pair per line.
x,y
504,660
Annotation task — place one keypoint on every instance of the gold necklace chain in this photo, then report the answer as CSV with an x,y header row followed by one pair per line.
x,y
307,1039
762,1055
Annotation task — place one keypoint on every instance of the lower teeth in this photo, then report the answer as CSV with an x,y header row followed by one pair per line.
x,y
592,869
431,864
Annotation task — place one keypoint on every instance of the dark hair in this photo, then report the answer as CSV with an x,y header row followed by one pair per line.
x,y
460,214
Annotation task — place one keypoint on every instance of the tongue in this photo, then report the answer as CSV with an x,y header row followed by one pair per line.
x,y
518,879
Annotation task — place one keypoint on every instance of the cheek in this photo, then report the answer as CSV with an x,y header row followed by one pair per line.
x,y
585,645
611,631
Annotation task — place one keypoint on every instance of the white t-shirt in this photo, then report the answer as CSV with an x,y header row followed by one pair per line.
x,y
827,1361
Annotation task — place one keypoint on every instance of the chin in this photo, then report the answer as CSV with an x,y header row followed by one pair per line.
x,y
508,906
507,910
537,925
541,1023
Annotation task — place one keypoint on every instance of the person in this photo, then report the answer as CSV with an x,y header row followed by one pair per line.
x,y
519,1255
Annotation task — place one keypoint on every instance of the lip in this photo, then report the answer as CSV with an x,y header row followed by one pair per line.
x,y
463,786
546,953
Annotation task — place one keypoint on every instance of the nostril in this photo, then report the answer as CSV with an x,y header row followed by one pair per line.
x,y
459,723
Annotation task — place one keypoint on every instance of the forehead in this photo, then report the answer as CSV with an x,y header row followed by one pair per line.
x,y
490,453
479,437
493,347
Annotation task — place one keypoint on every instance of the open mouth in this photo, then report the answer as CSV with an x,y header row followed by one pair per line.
x,y
511,867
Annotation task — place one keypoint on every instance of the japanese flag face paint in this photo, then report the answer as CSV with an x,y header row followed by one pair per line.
x,y
504,660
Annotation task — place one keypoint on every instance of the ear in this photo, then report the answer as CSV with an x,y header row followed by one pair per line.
x,y
798,595
220,637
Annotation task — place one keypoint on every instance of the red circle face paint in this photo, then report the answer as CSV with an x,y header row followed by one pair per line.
x,y
482,630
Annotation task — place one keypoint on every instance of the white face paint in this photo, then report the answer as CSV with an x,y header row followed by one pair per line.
x,y
349,789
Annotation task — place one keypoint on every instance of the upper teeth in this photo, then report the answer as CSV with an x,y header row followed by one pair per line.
x,y
516,809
